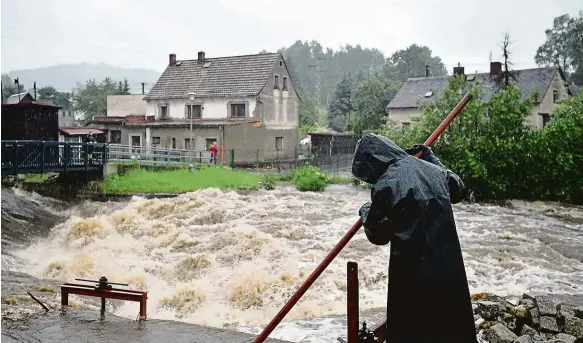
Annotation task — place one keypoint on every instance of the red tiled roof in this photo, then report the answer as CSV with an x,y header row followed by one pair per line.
x,y
80,131
134,119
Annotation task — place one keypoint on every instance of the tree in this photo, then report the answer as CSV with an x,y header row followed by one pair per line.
x,y
411,62
371,98
62,99
9,87
341,104
91,99
564,47
123,88
308,111
508,74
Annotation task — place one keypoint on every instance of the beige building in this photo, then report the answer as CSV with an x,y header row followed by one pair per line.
x,y
246,103
549,83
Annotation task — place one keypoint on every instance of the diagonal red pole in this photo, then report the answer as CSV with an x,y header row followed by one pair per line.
x,y
353,230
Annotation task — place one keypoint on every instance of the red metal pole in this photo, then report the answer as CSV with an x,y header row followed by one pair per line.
x,y
353,230
352,302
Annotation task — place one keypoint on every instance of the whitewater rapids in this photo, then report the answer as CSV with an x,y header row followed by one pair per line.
x,y
228,260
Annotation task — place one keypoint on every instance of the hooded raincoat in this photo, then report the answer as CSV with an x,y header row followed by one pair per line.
x,y
428,295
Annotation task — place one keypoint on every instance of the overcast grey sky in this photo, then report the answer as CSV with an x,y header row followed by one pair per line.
x,y
141,33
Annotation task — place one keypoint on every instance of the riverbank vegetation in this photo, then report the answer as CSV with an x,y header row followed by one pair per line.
x,y
499,157
147,181
178,181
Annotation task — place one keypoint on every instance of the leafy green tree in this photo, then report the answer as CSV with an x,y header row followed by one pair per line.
x,y
308,110
62,99
91,99
411,62
564,46
371,98
341,104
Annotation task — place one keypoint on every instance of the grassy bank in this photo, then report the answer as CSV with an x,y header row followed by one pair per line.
x,y
136,181
178,181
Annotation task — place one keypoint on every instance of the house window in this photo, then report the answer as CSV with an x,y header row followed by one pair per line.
x,y
238,110
173,143
280,63
285,83
193,111
546,118
163,111
115,136
155,140
555,96
406,126
278,143
136,141
187,143
276,81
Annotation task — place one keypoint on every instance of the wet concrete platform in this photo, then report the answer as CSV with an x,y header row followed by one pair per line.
x,y
81,325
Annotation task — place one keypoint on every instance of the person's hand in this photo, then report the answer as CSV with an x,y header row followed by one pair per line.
x,y
420,148
363,211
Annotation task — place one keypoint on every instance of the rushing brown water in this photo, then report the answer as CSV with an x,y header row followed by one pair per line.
x,y
228,260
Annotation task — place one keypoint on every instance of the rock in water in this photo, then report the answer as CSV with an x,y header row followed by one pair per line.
x,y
535,317
500,334
524,339
548,324
528,303
520,312
489,309
565,311
574,326
527,330
578,311
564,338
546,305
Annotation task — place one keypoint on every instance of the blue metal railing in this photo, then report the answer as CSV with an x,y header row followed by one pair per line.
x,y
32,157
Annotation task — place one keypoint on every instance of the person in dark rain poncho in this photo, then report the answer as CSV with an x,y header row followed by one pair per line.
x,y
428,295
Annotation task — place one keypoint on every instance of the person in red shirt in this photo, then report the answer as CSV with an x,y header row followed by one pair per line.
x,y
214,149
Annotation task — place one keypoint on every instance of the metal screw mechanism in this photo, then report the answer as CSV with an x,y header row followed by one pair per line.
x,y
102,283
365,336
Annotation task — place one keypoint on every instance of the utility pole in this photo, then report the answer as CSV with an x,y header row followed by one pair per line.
x,y
143,84
17,88
34,86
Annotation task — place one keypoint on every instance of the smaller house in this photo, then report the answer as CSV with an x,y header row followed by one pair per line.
x,y
24,118
548,83
79,134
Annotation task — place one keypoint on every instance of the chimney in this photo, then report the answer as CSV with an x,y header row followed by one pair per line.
x,y
495,70
200,56
172,61
459,70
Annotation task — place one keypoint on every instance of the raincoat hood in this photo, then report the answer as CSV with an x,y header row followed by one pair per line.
x,y
373,156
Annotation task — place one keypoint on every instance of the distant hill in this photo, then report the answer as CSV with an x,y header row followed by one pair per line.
x,y
65,77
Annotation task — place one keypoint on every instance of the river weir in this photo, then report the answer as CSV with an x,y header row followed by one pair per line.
x,y
231,261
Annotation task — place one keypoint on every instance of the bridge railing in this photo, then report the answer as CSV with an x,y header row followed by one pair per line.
x,y
22,157
119,152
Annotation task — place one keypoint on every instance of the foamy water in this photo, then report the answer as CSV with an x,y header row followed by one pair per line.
x,y
228,260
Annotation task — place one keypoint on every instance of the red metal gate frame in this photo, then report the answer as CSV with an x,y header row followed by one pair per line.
x,y
108,293
352,313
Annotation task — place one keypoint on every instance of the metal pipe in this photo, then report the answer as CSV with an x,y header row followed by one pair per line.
x,y
352,301
351,232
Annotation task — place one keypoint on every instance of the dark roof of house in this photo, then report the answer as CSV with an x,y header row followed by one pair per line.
x,y
222,77
412,93
26,98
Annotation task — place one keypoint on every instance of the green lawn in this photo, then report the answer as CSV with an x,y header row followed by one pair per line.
x,y
178,181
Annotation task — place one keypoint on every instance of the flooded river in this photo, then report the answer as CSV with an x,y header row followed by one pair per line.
x,y
231,261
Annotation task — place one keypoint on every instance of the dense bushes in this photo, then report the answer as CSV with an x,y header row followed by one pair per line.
x,y
309,178
496,154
